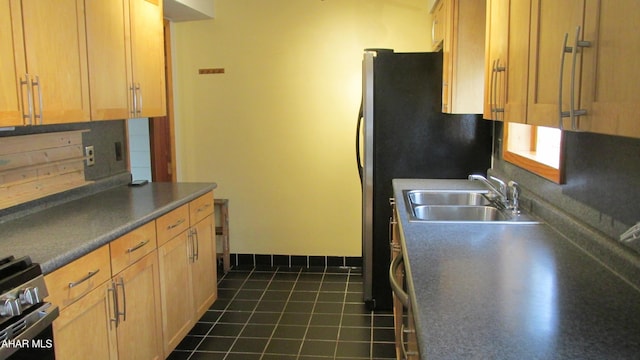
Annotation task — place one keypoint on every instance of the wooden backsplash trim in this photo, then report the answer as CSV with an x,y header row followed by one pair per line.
x,y
38,165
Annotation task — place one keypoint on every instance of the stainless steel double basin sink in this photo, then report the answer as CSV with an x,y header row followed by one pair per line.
x,y
467,206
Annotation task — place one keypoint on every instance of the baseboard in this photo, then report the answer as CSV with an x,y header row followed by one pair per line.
x,y
305,261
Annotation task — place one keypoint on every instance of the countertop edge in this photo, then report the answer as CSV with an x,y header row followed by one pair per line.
x,y
104,239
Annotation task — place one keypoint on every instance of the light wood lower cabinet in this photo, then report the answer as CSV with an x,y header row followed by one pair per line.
x,y
133,300
177,290
139,326
404,326
118,318
84,330
187,268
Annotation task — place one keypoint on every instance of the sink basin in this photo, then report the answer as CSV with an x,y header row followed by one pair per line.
x,y
462,206
423,197
458,213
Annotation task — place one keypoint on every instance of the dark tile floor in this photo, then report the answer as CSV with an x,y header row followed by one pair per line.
x,y
289,313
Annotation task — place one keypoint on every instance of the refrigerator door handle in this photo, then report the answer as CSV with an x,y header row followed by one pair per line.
x,y
358,155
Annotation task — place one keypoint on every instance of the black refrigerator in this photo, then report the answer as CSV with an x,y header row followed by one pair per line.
x,y
402,133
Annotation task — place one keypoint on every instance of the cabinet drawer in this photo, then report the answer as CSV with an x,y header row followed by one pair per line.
x,y
201,207
132,246
172,224
76,279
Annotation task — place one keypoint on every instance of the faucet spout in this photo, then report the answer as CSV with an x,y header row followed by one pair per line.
x,y
499,192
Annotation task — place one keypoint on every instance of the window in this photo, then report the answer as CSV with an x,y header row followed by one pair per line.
x,y
535,148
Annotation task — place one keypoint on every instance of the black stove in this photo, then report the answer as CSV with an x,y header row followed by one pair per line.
x,y
25,318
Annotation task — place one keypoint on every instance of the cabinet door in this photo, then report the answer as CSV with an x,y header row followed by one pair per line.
x,y
204,266
463,67
84,330
11,71
140,329
516,65
611,81
108,67
497,36
56,52
550,21
147,56
176,290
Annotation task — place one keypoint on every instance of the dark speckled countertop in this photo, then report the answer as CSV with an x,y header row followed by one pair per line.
x,y
489,291
58,235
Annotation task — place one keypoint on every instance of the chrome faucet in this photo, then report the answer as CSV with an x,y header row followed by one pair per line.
x,y
500,192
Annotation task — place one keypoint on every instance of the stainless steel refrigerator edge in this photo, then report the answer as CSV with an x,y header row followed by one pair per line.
x,y
402,133
366,174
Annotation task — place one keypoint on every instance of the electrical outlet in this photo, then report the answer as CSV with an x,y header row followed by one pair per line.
x,y
89,155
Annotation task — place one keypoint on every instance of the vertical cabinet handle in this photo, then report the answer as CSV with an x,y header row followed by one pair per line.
x,y
498,110
120,283
134,101
492,105
27,114
196,242
194,247
139,98
38,84
562,114
114,298
573,113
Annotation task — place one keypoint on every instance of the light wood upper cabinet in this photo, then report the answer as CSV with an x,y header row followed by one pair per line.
x,y
147,58
463,54
497,36
126,58
588,83
610,79
108,67
11,110
56,59
507,60
551,20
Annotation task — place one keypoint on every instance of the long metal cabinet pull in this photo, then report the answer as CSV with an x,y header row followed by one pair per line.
x,y
28,116
138,246
408,354
134,101
492,104
562,114
498,70
176,224
114,298
124,300
84,278
38,84
573,113
196,242
139,97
